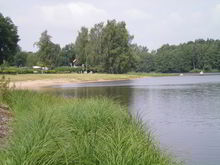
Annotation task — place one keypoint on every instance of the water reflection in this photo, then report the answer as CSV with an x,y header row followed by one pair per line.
x,y
184,118
120,94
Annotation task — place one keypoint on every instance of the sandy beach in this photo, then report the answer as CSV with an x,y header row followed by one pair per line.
x,y
38,81
39,84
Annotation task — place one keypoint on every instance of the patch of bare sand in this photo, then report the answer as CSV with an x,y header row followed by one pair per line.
x,y
38,84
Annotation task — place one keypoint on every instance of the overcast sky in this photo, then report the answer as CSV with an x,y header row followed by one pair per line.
x,y
152,22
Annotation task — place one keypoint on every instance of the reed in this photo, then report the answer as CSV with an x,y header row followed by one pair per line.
x,y
50,130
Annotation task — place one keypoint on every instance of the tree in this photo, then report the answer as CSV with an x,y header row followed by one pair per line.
x,y
95,45
32,59
116,43
20,58
81,45
8,39
144,61
48,52
67,55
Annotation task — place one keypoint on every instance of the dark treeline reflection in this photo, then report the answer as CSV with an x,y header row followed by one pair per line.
x,y
120,94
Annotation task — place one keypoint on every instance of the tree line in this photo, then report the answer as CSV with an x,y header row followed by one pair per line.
x,y
108,47
191,56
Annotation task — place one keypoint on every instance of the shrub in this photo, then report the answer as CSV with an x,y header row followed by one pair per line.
x,y
195,71
4,88
67,69
16,70
96,69
50,71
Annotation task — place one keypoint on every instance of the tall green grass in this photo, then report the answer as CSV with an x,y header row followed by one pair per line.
x,y
49,130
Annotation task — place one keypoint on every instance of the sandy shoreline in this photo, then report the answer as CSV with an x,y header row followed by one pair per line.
x,y
38,84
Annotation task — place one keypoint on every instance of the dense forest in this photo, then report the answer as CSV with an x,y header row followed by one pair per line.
x,y
108,47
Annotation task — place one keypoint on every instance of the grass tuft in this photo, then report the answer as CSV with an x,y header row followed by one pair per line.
x,y
50,130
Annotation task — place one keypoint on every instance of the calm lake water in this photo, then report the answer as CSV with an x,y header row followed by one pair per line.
x,y
183,113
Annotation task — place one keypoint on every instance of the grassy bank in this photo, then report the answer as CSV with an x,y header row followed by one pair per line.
x,y
52,130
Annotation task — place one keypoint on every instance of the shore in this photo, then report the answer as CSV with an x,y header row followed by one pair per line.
x,y
38,84
37,81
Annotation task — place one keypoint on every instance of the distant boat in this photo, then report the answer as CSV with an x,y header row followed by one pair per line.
x,y
181,74
201,73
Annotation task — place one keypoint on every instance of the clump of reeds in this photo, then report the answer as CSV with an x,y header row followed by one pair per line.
x,y
50,130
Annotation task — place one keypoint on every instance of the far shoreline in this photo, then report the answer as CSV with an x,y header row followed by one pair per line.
x,y
39,81
40,84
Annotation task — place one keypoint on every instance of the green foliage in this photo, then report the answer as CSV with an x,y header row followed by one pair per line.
x,y
57,131
95,54
67,55
23,58
81,46
116,47
49,71
16,70
67,69
96,69
106,46
20,59
48,51
195,71
4,88
8,39
32,59
144,61
197,55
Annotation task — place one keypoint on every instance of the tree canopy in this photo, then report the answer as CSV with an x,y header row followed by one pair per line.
x,y
107,47
8,39
48,52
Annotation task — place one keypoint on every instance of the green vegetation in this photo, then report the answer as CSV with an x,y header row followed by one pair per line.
x,y
53,130
108,48
198,55
16,70
26,70
4,88
8,39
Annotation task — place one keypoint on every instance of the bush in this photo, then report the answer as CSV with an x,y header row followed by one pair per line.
x,y
4,88
50,71
67,69
215,70
96,69
63,69
25,71
195,71
16,70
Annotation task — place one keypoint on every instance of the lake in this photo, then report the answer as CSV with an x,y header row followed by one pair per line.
x,y
182,112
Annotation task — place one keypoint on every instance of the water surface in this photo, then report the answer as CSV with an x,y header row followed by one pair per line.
x,y
182,112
